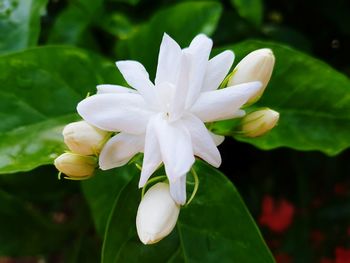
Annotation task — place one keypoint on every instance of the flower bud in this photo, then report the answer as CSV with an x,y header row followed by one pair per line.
x,y
76,166
157,214
256,66
259,122
83,138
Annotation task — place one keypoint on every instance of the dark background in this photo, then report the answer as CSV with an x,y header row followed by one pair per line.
x,y
300,199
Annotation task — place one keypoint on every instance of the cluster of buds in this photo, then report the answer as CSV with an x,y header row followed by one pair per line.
x,y
256,66
85,143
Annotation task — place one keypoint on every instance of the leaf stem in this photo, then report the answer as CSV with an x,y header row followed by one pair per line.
x,y
154,179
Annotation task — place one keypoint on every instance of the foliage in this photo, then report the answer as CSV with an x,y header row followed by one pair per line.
x,y
54,53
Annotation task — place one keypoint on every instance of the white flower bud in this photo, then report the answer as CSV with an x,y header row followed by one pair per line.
x,y
157,214
83,138
256,66
75,165
259,122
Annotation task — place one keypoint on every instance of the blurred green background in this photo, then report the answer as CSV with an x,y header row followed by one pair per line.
x,y
301,200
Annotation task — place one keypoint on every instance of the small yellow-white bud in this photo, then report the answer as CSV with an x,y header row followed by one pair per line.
x,y
83,138
259,122
76,166
256,66
157,214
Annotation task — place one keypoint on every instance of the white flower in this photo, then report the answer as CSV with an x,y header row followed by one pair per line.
x,y
157,214
165,119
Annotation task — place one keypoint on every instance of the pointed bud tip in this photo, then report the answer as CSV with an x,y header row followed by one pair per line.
x,y
263,52
148,239
259,122
157,214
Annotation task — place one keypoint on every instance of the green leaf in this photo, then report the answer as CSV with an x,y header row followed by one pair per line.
x,y
313,100
20,23
216,225
117,24
71,25
251,10
102,190
82,249
182,22
130,2
40,90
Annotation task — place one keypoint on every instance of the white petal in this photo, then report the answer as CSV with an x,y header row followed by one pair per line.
x,y
218,139
198,43
137,77
199,49
224,103
203,143
175,147
180,94
178,190
120,149
124,112
152,157
108,88
168,61
217,69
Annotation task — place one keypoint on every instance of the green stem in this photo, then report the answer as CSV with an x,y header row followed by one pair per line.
x,y
196,184
154,179
138,166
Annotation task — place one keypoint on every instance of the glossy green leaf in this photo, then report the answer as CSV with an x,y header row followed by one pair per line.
x,y
102,190
182,22
215,226
251,10
20,23
40,90
313,100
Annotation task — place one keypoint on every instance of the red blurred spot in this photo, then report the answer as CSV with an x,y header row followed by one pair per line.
x,y
342,255
283,258
276,215
340,189
326,260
